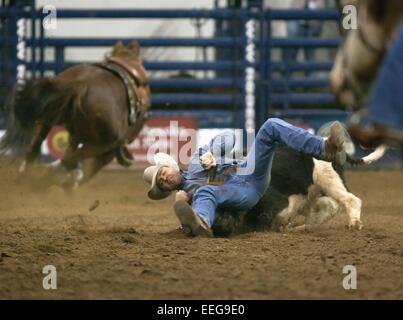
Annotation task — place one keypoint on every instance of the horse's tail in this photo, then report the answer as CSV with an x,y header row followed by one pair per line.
x,y
25,106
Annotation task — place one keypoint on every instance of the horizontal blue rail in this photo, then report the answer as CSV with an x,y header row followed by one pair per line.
x,y
304,82
196,83
311,112
195,99
303,98
150,13
273,14
144,42
157,65
200,66
178,42
302,66
186,83
186,65
305,42
232,83
306,14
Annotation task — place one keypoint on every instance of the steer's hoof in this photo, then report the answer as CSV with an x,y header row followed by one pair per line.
x,y
355,225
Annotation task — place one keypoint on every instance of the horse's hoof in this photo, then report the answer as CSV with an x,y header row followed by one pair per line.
x,y
22,168
77,175
72,181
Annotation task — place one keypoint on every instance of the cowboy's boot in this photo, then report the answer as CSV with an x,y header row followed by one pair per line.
x,y
192,224
334,144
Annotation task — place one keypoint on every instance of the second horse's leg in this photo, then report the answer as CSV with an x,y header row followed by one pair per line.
x,y
73,155
40,133
59,170
95,164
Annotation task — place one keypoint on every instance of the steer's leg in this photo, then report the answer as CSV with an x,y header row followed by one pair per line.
x,y
331,184
295,205
323,210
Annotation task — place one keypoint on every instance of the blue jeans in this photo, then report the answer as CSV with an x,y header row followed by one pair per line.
x,y
242,192
385,104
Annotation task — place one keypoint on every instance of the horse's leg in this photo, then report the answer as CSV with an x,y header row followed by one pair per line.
x,y
73,155
96,164
40,133
57,170
70,160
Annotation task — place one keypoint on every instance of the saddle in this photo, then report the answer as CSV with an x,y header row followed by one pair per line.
x,y
138,73
133,78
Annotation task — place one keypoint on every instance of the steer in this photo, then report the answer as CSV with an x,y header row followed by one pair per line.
x,y
303,194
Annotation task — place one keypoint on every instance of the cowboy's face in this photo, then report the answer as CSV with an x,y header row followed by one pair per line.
x,y
169,179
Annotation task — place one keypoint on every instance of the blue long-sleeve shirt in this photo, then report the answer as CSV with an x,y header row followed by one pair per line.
x,y
221,146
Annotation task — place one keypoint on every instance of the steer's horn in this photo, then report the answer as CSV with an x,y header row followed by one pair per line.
x,y
372,157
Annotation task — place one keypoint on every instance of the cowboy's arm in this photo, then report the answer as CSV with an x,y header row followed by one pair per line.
x,y
222,144
218,150
182,195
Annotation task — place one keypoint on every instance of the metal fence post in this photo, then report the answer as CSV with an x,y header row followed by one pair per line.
x,y
59,59
263,56
249,51
41,44
33,38
13,44
267,75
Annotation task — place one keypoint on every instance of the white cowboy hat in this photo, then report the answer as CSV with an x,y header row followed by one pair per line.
x,y
150,175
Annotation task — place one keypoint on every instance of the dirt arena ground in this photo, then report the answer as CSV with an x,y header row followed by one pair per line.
x,y
129,247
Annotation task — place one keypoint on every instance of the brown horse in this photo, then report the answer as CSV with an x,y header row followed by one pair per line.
x,y
102,106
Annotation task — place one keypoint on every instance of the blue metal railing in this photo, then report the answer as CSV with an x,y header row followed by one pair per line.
x,y
270,90
287,98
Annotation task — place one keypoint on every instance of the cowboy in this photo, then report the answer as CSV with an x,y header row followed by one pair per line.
x,y
198,197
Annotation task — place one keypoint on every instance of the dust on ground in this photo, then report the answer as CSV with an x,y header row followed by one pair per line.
x,y
108,241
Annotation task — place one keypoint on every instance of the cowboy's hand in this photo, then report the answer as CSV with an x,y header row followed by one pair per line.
x,y
181,195
207,161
